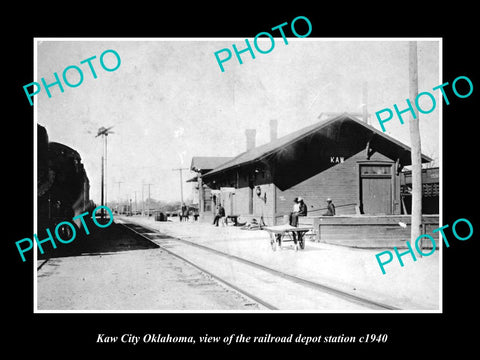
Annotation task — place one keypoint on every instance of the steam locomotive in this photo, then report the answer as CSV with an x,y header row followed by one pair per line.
x,y
62,186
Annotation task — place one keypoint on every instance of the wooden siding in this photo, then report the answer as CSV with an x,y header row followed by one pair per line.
x,y
339,182
261,208
263,204
241,201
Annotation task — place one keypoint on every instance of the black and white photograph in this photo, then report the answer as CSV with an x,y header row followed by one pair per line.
x,y
229,180
267,185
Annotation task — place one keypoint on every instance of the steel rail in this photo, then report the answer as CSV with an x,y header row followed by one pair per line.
x,y
225,282
325,288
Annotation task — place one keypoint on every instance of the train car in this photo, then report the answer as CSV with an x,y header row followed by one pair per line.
x,y
62,186
430,190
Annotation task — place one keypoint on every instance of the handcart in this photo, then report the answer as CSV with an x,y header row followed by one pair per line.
x,y
285,233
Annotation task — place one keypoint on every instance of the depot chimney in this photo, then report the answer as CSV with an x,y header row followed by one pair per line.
x,y
365,102
250,134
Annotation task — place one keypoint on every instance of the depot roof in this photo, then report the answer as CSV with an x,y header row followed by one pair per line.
x,y
330,127
204,164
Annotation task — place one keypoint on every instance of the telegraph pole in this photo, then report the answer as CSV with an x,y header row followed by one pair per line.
x,y
105,168
103,132
135,201
181,181
102,214
416,154
143,202
118,182
119,196
148,207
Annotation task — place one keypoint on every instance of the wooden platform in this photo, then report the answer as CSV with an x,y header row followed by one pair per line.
x,y
366,231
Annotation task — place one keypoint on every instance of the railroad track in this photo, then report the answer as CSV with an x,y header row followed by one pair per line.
x,y
154,235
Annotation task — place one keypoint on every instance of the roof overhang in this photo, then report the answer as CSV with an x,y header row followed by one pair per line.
x,y
335,131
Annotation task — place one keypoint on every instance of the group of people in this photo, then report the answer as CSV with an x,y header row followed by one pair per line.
x,y
184,213
300,209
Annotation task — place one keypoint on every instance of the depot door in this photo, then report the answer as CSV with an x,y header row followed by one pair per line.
x,y
376,189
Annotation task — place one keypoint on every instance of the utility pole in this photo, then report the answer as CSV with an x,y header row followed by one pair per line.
x,y
148,207
181,182
118,182
416,155
135,201
143,198
119,197
102,213
103,132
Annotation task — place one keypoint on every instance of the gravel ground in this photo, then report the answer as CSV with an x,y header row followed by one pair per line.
x,y
111,271
114,278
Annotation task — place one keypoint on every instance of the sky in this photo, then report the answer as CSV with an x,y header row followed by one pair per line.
x,y
168,100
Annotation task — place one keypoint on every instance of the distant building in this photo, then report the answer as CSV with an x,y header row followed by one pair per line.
x,y
202,194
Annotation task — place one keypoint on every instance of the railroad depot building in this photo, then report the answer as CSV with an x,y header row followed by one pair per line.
x,y
342,158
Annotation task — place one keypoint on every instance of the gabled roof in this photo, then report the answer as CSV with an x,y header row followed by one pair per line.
x,y
398,149
207,163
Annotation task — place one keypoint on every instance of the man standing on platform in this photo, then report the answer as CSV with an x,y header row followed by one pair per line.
x,y
293,219
302,211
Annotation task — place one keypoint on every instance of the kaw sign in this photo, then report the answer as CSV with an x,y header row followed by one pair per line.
x,y
336,159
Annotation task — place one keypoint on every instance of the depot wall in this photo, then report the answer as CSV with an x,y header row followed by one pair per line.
x,y
339,182
260,198
250,206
